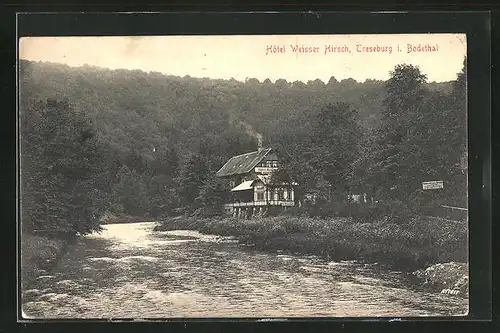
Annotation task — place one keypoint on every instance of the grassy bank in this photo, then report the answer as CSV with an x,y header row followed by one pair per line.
x,y
39,254
413,244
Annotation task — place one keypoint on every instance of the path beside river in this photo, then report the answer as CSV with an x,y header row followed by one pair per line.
x,y
129,271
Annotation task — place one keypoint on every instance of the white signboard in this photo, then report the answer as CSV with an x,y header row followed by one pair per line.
x,y
434,185
265,170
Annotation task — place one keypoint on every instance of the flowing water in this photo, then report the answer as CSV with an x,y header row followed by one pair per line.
x,y
129,271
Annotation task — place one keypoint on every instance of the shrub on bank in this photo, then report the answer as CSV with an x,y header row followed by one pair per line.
x,y
409,244
395,210
178,223
451,276
109,218
38,254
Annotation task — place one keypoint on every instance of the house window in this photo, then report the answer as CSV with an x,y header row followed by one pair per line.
x,y
275,164
281,194
260,196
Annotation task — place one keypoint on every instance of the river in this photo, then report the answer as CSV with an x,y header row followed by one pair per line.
x,y
129,271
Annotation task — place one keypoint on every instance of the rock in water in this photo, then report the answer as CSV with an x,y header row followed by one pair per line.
x,y
451,278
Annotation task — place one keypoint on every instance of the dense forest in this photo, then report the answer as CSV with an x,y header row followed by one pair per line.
x,y
129,143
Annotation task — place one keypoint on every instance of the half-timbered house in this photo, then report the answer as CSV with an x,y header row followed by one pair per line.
x,y
253,191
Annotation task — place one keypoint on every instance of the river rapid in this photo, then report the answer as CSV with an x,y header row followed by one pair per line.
x,y
129,271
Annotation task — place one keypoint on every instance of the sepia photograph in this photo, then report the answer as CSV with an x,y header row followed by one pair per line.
x,y
243,176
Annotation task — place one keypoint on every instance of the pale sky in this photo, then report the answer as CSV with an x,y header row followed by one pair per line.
x,y
242,57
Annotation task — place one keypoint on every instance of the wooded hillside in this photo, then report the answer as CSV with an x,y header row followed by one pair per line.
x,y
148,144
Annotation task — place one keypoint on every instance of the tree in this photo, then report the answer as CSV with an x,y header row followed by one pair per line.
x,y
159,192
212,195
334,143
458,116
191,177
456,140
281,83
315,83
333,81
166,162
393,156
294,168
62,171
349,83
460,85
136,161
129,194
252,81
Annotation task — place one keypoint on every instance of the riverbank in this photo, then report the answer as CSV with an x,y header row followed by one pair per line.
x,y
415,244
448,278
128,271
109,218
38,255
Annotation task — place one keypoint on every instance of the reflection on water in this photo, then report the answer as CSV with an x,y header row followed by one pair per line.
x,y
128,271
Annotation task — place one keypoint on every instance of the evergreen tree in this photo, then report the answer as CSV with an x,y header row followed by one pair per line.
x,y
333,81
191,177
212,195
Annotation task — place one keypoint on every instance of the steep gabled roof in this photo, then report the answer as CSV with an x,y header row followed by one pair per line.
x,y
242,164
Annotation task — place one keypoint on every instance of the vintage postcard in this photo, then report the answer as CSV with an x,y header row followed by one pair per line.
x,y
243,176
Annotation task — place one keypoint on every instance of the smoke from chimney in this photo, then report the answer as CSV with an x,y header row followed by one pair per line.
x,y
254,134
259,139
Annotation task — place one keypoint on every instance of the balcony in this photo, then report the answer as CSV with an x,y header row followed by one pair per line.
x,y
283,203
